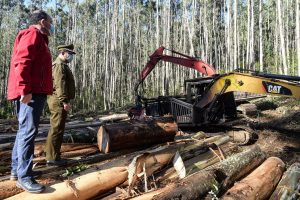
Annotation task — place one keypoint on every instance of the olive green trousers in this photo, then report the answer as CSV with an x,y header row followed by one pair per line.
x,y
56,132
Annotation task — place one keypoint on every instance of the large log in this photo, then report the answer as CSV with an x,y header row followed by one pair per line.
x,y
113,117
248,109
45,127
185,152
65,147
217,178
83,187
153,159
70,154
198,163
260,184
132,134
289,185
196,160
98,182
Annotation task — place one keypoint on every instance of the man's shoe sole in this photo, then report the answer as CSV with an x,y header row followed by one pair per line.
x,y
36,191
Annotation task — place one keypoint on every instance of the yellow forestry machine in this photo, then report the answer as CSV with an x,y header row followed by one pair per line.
x,y
208,99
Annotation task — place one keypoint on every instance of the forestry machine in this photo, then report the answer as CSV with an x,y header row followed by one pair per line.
x,y
209,99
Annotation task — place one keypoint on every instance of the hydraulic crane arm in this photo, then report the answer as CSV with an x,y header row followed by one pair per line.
x,y
184,60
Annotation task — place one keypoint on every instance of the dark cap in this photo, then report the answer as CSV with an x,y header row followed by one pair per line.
x,y
68,48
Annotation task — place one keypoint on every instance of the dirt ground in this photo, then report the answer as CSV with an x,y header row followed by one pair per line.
x,y
277,125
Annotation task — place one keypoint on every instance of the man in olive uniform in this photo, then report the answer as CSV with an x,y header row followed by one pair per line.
x,y
59,102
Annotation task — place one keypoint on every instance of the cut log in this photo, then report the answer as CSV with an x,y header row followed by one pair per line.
x,y
65,147
70,154
114,117
217,178
95,183
197,160
154,159
248,109
132,134
242,137
259,184
83,187
200,162
289,185
148,163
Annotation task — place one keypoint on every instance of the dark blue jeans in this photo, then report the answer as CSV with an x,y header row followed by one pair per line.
x,y
28,118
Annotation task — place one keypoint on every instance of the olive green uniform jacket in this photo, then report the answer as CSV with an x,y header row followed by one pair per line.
x,y
63,92
63,81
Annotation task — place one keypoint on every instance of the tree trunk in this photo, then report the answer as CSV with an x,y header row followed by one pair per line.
x,y
65,147
83,187
199,162
259,184
241,137
96,181
248,51
114,117
288,187
131,134
281,33
217,178
298,34
261,51
235,56
71,154
248,109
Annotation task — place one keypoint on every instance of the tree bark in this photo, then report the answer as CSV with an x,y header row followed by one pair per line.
x,y
261,50
288,187
133,133
298,34
235,56
248,51
281,33
198,163
217,178
259,184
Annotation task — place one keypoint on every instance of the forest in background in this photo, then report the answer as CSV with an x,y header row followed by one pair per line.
x,y
113,39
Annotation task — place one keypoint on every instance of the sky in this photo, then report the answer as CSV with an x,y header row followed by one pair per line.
x,y
50,4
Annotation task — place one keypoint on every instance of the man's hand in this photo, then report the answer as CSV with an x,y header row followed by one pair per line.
x,y
67,106
26,98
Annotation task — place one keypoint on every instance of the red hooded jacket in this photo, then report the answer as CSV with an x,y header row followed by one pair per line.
x,y
31,65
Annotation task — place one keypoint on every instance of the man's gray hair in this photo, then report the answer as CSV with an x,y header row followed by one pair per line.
x,y
36,16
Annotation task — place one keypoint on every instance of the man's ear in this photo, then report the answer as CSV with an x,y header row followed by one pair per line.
x,y
42,22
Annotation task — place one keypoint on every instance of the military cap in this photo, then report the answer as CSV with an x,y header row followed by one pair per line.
x,y
68,48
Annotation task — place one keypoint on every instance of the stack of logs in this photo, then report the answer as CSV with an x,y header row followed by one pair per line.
x,y
195,168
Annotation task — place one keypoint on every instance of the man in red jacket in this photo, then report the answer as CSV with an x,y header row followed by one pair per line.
x,y
29,83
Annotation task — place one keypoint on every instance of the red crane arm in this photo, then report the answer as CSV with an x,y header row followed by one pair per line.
x,y
184,60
